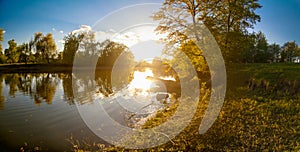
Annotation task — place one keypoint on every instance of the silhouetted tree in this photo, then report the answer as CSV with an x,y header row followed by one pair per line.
x,y
261,51
274,49
110,51
289,50
72,42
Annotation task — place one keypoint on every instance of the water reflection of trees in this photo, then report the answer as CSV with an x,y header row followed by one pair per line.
x,y
67,87
19,82
103,80
86,87
2,98
40,86
105,83
45,88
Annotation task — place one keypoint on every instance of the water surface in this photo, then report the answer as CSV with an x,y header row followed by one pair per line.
x,y
40,109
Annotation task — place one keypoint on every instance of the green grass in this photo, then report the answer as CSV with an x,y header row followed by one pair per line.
x,y
272,72
250,120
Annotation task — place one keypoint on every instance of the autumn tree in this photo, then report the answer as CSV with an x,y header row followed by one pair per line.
x,y
11,52
35,45
43,46
50,47
1,39
195,55
227,20
24,52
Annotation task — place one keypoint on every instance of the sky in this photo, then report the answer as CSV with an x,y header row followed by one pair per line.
x,y
20,19
280,20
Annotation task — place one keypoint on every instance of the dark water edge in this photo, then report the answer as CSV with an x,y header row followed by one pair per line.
x,y
46,68
35,68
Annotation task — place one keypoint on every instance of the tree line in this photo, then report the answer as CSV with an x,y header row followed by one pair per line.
x,y
42,50
260,51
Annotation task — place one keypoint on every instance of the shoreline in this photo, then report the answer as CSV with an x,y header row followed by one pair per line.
x,y
44,68
53,68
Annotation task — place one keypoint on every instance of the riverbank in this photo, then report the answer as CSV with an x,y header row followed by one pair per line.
x,y
35,68
43,68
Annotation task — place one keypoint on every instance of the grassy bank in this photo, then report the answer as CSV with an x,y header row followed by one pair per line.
x,y
273,81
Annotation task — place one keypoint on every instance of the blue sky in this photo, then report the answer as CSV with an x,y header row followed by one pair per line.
x,y
280,20
22,18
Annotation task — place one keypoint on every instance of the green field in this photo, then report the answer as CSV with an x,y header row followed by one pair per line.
x,y
256,118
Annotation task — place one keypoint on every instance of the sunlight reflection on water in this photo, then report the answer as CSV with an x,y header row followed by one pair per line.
x,y
139,96
140,81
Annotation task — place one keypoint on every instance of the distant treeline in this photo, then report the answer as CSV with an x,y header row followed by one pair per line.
x,y
81,46
258,50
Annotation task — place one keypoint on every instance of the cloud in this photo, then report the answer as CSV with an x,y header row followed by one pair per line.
x,y
61,41
57,31
128,38
82,29
142,41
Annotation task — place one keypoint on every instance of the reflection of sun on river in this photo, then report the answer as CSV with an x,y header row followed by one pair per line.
x,y
140,81
141,96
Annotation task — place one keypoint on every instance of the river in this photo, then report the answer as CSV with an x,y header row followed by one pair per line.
x,y
40,110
